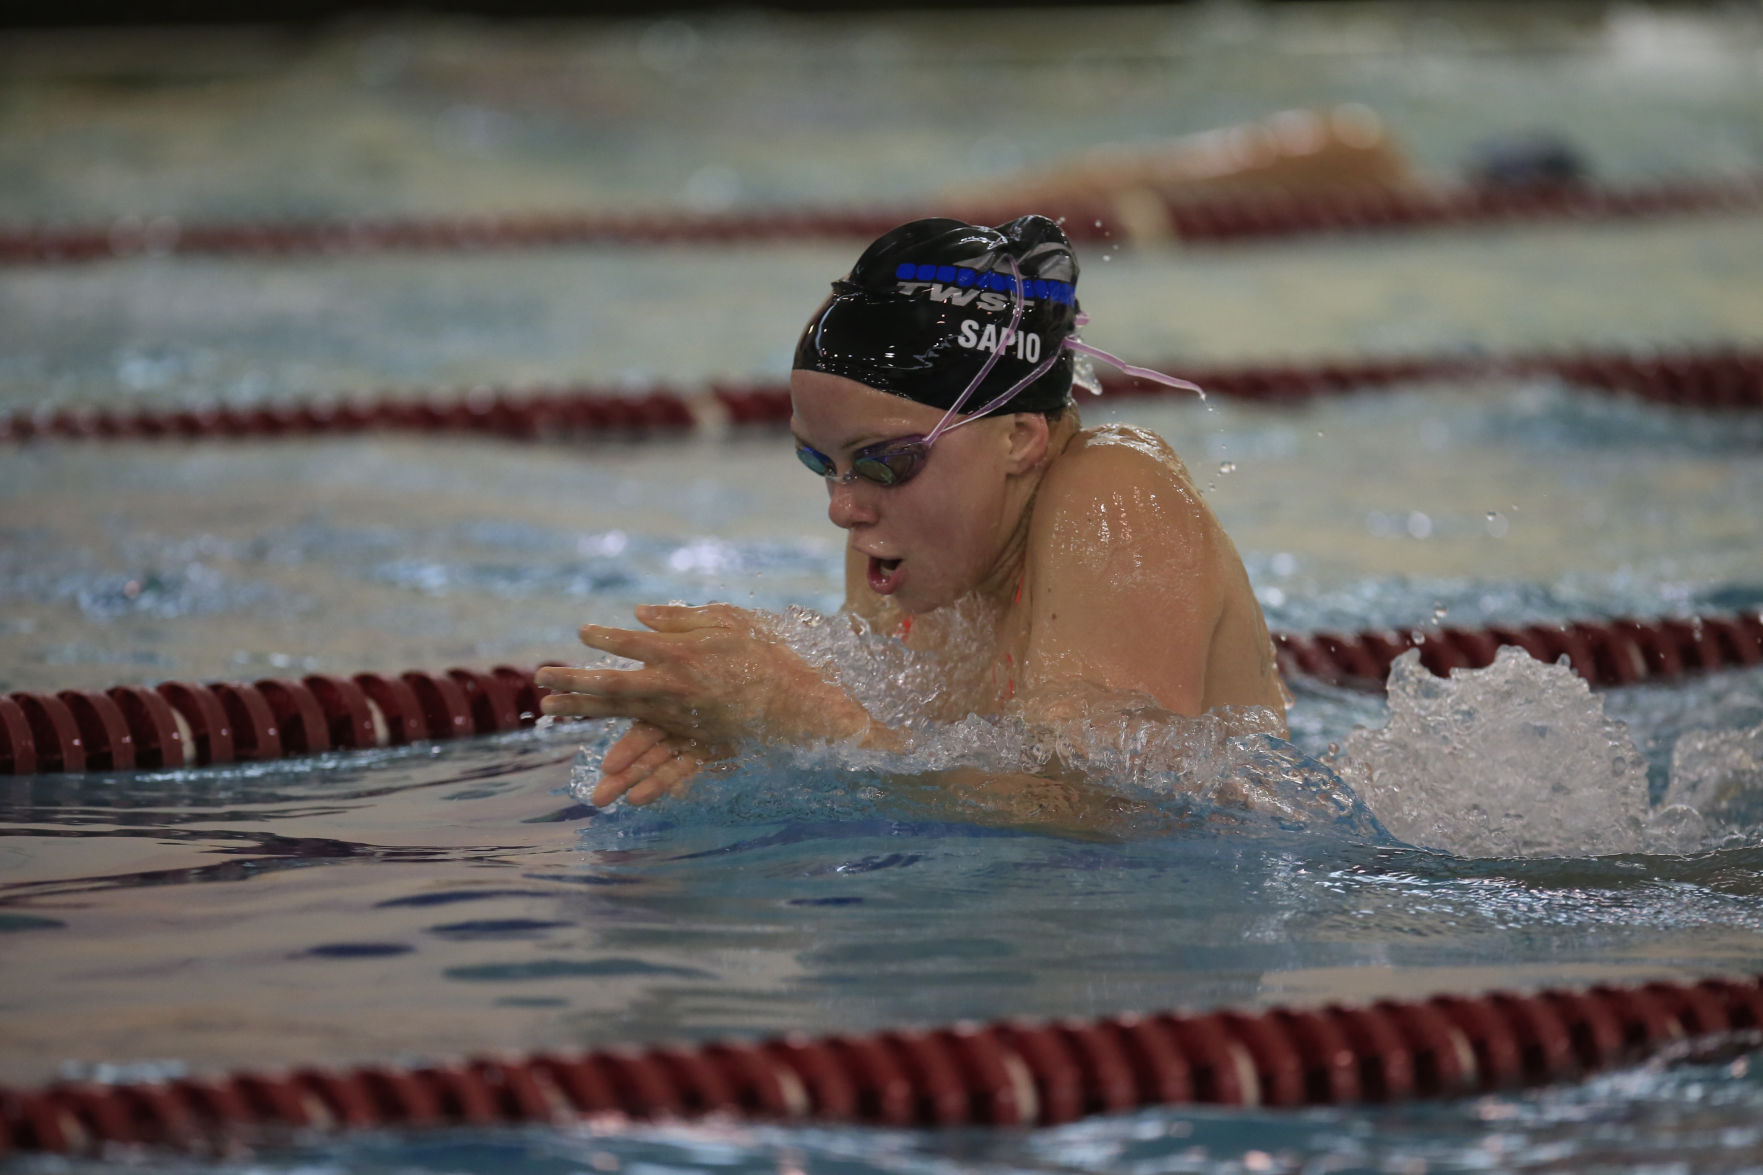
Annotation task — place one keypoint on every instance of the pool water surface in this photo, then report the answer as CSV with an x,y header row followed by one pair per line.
x,y
438,900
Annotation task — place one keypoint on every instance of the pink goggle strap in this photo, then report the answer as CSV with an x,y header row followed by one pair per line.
x,y
1136,372
943,425
1046,365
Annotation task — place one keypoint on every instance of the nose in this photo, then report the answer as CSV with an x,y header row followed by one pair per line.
x,y
847,505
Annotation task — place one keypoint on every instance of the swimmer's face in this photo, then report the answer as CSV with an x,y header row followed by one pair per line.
x,y
940,535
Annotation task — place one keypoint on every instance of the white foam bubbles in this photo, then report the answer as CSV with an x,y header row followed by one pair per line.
x,y
1717,775
1515,760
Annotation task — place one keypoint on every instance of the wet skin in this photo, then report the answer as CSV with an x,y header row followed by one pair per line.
x,y
1088,554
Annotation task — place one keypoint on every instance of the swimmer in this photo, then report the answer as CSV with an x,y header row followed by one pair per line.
x,y
1295,153
931,393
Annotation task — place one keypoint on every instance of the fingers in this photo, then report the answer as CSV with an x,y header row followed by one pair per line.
x,y
612,785
573,680
599,682
646,764
616,779
637,741
655,772
668,779
621,642
595,706
681,618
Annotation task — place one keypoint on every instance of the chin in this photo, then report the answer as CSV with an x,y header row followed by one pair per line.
x,y
918,601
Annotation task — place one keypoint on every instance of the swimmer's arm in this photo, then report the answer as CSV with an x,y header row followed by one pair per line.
x,y
702,689
710,679
716,675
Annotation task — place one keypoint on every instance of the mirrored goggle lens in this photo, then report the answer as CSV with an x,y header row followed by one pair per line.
x,y
816,461
891,467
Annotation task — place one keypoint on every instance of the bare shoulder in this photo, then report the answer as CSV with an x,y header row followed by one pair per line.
x,y
1129,579
1119,484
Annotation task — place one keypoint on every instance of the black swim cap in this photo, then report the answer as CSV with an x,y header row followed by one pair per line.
x,y
926,304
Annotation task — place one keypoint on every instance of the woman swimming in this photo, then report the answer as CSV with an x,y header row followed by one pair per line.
x,y
1040,560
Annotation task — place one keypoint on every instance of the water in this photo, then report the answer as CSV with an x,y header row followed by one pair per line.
x,y
435,901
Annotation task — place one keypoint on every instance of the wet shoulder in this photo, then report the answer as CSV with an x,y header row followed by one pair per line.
x,y
1117,503
1125,468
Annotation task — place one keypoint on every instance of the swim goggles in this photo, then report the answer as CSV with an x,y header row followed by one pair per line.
x,y
897,461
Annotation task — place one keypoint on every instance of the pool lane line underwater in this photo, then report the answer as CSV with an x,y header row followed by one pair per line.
x,y
180,723
1007,1073
1706,378
1216,218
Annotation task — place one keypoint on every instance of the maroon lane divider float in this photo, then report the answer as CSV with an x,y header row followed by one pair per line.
x,y
519,414
1706,378
180,723
1605,652
1198,218
1000,1074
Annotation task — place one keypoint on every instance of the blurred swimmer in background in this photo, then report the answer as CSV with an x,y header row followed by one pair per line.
x,y
1042,564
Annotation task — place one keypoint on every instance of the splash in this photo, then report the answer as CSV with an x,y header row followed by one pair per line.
x,y
900,687
1085,760
1520,760
1716,790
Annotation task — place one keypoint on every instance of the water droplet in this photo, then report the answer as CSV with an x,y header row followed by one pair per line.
x,y
1107,256
1227,467
1098,224
1334,748
1439,612
1320,433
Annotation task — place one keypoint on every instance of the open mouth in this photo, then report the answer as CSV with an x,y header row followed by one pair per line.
x,y
884,575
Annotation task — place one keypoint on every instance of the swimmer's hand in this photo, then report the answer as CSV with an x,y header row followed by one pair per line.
x,y
648,763
712,676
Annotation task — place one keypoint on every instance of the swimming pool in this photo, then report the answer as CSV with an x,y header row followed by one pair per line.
x,y
456,898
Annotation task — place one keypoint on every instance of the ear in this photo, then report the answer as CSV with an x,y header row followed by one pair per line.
x,y
1027,440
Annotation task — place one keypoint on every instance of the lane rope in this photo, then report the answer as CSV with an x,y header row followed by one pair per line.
x,y
1212,218
1708,378
1007,1073
180,723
